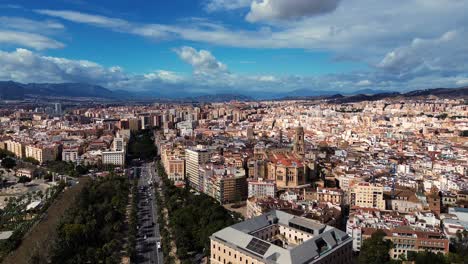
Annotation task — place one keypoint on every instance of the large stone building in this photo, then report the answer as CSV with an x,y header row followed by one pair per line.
x,y
279,237
287,169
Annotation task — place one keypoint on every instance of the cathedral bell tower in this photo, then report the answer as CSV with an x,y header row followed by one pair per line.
x,y
299,145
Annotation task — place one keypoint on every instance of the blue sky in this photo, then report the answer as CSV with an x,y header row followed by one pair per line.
x,y
248,46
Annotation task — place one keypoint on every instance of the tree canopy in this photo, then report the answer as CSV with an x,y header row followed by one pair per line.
x,y
92,231
8,163
141,145
375,250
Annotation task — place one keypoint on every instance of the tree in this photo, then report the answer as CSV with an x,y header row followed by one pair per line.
x,y
8,163
426,257
375,250
81,170
31,160
24,179
5,153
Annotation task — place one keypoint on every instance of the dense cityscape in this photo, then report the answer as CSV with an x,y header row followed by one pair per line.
x,y
234,132
260,182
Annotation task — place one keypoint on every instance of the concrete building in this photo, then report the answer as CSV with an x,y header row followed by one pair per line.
x,y
279,237
261,188
17,148
41,153
406,239
70,154
367,195
226,184
116,158
118,144
134,124
194,157
330,195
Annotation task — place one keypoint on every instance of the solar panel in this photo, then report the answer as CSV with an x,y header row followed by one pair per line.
x,y
258,246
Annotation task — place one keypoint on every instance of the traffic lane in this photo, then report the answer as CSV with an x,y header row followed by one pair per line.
x,y
145,245
147,227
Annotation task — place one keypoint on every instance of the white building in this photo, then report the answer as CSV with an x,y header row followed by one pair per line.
x,y
70,154
261,188
193,159
113,158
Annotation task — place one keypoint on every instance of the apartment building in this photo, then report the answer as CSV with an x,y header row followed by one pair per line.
x,y
194,158
279,237
261,188
406,239
367,195
173,160
41,153
116,158
118,144
330,195
225,183
17,148
70,154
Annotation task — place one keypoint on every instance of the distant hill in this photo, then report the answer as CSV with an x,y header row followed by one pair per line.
x,y
439,92
68,89
11,91
308,94
219,98
17,91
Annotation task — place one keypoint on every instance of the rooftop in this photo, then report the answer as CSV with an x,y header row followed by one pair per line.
x,y
324,238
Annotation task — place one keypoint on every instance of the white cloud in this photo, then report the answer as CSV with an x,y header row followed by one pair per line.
x,y
202,61
446,54
462,82
17,31
220,5
261,10
29,40
86,18
364,83
27,66
29,25
166,76
267,78
407,44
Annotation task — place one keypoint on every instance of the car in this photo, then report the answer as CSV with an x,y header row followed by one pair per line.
x,y
144,237
158,245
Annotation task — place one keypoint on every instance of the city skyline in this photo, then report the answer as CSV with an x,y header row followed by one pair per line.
x,y
241,46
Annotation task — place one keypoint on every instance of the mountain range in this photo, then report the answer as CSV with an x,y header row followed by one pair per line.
x,y
10,90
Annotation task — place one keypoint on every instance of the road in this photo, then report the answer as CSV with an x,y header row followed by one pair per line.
x,y
148,227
